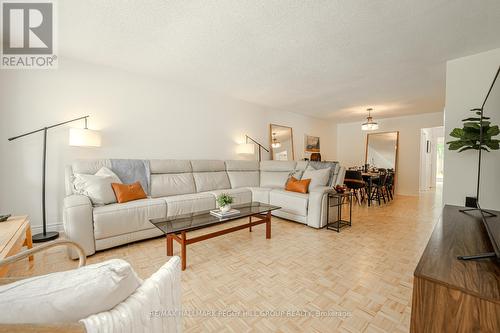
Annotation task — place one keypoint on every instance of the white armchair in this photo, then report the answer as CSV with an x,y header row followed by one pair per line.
x,y
153,305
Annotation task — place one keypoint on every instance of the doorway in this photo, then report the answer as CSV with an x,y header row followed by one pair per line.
x,y
431,158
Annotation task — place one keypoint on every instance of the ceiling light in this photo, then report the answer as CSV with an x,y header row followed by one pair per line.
x,y
370,125
275,143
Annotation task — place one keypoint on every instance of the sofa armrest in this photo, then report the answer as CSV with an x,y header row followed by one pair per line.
x,y
78,223
318,199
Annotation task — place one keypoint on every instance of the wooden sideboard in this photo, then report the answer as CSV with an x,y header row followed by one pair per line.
x,y
451,295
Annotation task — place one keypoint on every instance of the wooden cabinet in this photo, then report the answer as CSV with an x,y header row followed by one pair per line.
x,y
451,295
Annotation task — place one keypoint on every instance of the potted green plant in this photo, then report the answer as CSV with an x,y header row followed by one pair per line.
x,y
468,136
224,201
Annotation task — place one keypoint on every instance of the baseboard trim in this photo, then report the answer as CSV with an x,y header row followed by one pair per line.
x,y
50,227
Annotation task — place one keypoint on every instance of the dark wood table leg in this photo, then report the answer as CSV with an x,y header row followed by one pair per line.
x,y
170,245
369,191
250,221
268,225
183,250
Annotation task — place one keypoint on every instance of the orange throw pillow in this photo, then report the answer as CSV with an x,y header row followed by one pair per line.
x,y
295,185
128,192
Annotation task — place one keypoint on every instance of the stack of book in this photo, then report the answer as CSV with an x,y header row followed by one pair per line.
x,y
218,213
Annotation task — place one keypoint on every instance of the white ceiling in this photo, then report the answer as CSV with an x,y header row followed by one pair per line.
x,y
328,59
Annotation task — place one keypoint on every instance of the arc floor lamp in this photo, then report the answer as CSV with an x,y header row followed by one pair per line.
x,y
77,137
249,148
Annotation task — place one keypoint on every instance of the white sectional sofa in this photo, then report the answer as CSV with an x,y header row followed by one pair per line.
x,y
182,186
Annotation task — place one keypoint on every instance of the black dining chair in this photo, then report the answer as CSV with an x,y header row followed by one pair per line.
x,y
378,186
354,182
389,184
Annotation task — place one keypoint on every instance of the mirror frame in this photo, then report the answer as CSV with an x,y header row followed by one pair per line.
x,y
397,151
271,140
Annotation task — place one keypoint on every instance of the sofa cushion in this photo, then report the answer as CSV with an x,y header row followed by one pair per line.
x,y
209,181
117,219
90,166
239,195
210,175
97,188
301,165
318,177
275,173
290,202
68,296
167,184
299,186
208,165
243,178
128,192
238,165
273,179
189,203
277,165
159,294
170,166
243,173
260,194
171,177
333,166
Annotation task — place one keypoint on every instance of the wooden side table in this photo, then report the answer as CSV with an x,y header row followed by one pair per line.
x,y
14,234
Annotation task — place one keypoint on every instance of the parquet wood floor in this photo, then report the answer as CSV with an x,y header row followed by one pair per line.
x,y
365,270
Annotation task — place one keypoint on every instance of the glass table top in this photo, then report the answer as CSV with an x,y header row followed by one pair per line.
x,y
202,219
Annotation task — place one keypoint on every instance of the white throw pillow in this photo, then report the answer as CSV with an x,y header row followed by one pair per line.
x,y
318,177
97,187
107,172
68,296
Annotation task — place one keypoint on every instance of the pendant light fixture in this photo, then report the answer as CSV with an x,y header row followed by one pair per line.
x,y
275,143
370,125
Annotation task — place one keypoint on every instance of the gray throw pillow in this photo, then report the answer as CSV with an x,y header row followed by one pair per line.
x,y
334,166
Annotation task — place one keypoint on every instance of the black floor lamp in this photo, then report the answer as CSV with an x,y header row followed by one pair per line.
x,y
78,137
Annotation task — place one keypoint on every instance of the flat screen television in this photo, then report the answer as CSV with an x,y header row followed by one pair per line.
x,y
490,106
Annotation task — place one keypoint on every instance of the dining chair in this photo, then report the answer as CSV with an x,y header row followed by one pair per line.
x,y
354,182
389,183
378,187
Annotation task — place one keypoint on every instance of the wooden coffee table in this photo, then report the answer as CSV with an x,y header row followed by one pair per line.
x,y
172,227
14,234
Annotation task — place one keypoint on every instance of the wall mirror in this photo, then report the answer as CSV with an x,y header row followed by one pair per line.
x,y
281,142
382,150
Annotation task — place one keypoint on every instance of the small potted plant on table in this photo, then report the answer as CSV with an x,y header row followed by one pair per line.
x,y
224,201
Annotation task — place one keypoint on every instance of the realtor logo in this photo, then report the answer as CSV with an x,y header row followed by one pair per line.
x,y
28,35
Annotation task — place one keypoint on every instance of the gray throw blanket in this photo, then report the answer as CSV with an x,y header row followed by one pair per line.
x,y
131,171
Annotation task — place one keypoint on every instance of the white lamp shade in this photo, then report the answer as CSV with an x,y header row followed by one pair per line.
x,y
369,126
246,149
84,137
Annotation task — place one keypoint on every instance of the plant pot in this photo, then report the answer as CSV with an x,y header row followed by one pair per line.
x,y
225,209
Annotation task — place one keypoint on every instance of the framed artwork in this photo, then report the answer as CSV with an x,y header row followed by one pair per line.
x,y
311,144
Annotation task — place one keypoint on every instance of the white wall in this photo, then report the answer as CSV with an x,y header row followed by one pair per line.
x,y
428,160
139,117
351,144
467,82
